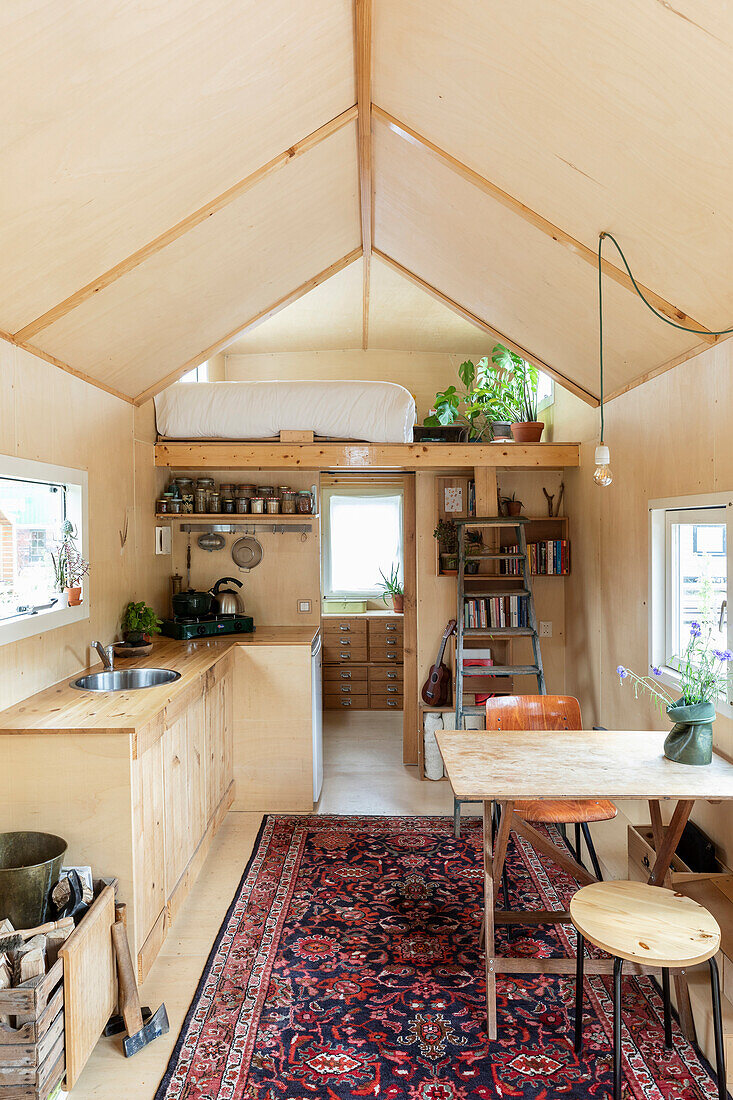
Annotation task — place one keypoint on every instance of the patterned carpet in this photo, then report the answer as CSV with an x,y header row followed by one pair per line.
x,y
348,967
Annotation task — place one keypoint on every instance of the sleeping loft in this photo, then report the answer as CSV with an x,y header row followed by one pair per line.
x,y
366,671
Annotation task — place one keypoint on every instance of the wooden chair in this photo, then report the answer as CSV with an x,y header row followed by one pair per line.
x,y
653,926
550,712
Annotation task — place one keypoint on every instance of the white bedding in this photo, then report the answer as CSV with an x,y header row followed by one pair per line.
x,y
378,412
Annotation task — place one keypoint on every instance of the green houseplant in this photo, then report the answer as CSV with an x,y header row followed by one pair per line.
x,y
393,587
521,379
69,566
139,622
447,535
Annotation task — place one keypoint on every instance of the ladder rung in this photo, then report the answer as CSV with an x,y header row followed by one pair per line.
x,y
471,672
499,632
522,592
493,557
492,521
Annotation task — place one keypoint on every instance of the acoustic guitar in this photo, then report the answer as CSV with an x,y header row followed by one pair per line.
x,y
436,689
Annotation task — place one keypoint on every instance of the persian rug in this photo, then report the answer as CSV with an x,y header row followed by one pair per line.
x,y
348,966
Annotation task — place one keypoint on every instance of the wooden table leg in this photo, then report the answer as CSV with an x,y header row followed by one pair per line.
x,y
665,846
489,924
501,841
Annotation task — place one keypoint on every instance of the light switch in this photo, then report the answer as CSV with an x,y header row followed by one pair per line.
x,y
162,540
304,607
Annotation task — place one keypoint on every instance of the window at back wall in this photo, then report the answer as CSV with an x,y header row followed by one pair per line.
x,y
362,535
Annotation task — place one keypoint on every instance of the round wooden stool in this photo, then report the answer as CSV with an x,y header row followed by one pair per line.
x,y
646,924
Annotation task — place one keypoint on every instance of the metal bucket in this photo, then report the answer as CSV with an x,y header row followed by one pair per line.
x,y
30,864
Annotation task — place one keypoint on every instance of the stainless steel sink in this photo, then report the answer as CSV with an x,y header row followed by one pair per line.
x,y
126,679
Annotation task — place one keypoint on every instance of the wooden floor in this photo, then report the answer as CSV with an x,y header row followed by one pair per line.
x,y
363,773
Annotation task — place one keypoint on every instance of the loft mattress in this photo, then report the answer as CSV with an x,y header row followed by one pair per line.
x,y
376,412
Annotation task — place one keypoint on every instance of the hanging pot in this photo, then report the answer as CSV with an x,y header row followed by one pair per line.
x,y
528,431
690,741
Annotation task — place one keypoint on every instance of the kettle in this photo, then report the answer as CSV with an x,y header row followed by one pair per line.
x,y
229,602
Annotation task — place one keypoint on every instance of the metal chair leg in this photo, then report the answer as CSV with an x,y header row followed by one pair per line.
x,y
617,967
578,849
456,818
667,1008
592,851
718,1030
578,1044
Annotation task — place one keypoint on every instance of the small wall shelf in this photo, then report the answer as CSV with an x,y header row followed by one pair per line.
x,y
227,519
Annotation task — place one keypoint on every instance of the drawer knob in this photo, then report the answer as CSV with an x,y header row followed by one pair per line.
x,y
390,703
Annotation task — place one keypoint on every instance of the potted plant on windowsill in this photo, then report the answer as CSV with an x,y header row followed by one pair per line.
x,y
704,674
447,535
521,379
139,623
69,567
393,587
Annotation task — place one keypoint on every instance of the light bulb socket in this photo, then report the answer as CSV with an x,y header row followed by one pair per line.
x,y
603,455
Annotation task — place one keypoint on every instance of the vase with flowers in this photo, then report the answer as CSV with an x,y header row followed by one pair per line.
x,y
704,672
69,566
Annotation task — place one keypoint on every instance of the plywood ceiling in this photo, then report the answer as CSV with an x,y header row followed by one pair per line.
x,y
176,175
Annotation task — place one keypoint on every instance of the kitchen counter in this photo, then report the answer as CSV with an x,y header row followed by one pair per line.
x,y
64,709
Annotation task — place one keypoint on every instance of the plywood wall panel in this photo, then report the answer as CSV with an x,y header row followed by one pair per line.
x,y
598,116
501,268
124,119
241,260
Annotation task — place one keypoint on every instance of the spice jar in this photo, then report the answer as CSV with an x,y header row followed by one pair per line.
x,y
185,489
257,505
242,504
213,501
273,506
161,507
288,505
305,503
266,491
174,506
226,498
200,500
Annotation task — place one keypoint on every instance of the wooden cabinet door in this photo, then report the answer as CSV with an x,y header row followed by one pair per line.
x,y
196,735
177,821
149,839
219,734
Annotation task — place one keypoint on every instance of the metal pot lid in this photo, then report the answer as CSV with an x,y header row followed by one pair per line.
x,y
247,553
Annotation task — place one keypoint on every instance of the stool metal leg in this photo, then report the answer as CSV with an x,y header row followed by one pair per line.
x,y
667,1008
578,849
617,966
592,851
578,1044
718,1029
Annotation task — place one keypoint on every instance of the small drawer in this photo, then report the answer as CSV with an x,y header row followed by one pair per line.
x,y
345,688
385,628
641,854
385,652
353,627
334,675
337,654
346,702
382,701
379,675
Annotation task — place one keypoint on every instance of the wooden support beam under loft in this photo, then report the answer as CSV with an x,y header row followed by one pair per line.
x,y
187,223
251,323
494,333
619,275
363,55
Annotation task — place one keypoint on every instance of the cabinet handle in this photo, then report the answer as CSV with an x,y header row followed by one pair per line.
x,y
390,641
345,656
391,675
346,688
346,641
391,656
345,675
391,691
344,626
390,703
346,702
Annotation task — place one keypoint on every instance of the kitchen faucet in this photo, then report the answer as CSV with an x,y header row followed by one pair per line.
x,y
107,653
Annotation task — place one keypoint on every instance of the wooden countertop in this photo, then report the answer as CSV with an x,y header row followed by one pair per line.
x,y
63,709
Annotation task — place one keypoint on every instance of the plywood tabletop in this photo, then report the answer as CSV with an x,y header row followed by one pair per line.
x,y
63,709
526,764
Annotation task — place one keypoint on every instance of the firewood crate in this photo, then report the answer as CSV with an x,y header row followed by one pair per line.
x,y
32,1056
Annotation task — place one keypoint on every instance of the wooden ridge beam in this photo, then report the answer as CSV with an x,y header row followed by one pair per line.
x,y
250,323
65,367
619,275
494,333
187,223
363,55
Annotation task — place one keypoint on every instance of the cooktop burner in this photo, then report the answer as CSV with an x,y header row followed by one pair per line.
x,y
205,626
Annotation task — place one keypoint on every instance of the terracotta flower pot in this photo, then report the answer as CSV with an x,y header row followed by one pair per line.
x,y
690,741
398,604
529,431
74,596
514,507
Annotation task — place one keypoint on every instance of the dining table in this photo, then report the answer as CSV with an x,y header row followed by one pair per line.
x,y
509,766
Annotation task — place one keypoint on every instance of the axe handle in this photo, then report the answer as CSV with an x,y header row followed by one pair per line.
x,y
129,996
50,926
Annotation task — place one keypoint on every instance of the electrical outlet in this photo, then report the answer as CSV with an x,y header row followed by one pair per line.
x,y
304,607
545,630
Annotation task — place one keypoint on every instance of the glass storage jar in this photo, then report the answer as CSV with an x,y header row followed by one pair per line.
x,y
226,498
305,503
213,501
257,505
185,489
200,500
273,506
288,505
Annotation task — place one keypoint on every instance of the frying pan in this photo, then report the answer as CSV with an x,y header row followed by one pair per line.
x,y
247,553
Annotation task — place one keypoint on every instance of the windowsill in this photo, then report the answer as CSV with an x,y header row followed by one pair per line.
x,y
31,625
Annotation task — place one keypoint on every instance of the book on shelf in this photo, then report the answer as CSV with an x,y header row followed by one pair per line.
x,y
548,558
495,612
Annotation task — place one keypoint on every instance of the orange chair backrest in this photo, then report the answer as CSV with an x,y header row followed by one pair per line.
x,y
533,712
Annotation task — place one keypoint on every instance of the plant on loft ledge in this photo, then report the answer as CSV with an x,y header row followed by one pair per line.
x,y
69,567
139,623
704,674
479,411
521,381
393,587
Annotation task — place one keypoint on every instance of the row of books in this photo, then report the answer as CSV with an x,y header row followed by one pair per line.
x,y
550,558
495,611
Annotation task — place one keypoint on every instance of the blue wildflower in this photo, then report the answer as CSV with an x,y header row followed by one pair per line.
x,y
656,670
723,655
623,672
695,630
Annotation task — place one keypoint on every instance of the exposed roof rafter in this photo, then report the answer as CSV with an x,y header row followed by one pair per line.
x,y
467,315
251,323
577,247
187,223
363,56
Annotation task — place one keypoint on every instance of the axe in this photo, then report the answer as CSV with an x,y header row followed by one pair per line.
x,y
139,1034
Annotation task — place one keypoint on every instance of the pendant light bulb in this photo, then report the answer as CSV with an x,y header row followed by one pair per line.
x,y
602,474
